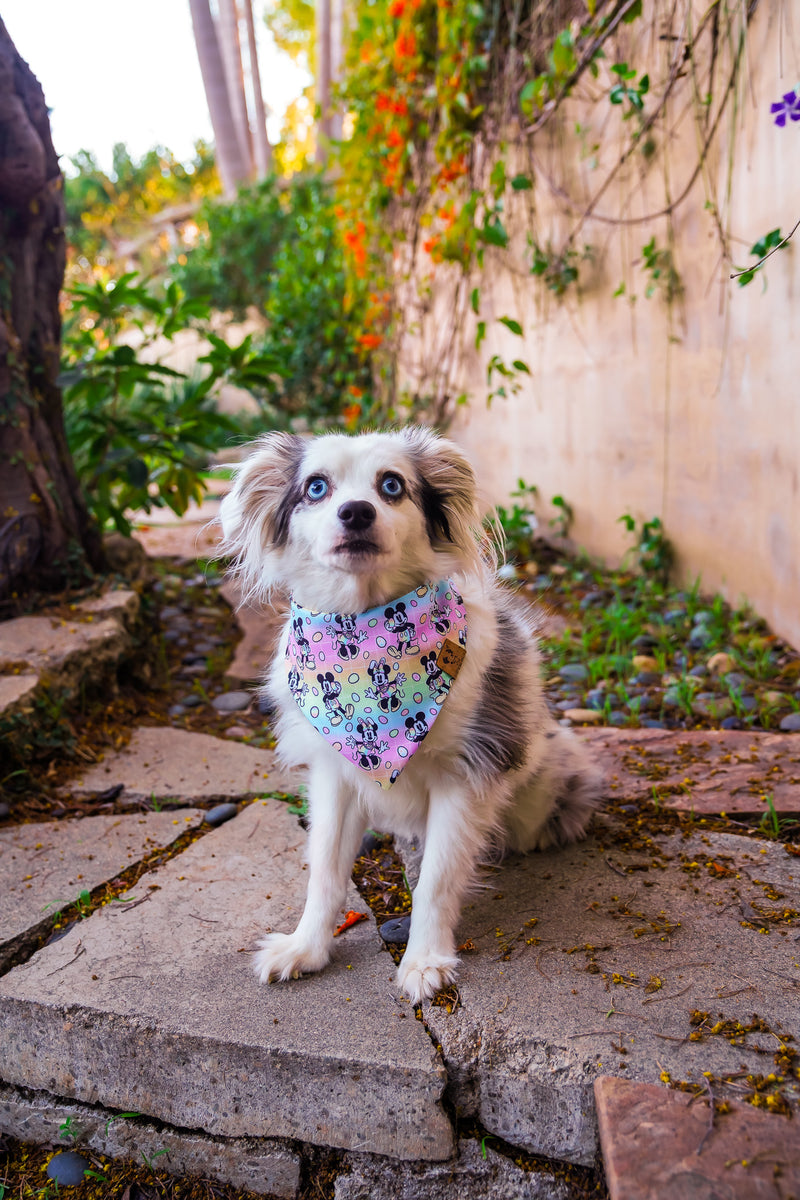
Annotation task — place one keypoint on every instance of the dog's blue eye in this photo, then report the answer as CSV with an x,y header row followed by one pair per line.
x,y
392,487
317,488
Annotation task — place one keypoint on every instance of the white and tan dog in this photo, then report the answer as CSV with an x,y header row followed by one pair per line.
x,y
347,525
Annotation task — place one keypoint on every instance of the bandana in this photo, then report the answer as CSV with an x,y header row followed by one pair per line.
x,y
373,683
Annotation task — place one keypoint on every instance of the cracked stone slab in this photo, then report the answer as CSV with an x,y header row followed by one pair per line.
x,y
255,1164
590,960
155,1009
477,1172
193,767
45,866
707,770
64,651
658,1143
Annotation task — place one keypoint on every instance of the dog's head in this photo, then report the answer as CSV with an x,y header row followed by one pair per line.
x,y
347,523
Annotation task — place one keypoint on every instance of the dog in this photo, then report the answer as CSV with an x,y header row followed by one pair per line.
x,y
380,542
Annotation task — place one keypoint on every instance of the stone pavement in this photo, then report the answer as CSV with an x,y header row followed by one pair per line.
x,y
601,986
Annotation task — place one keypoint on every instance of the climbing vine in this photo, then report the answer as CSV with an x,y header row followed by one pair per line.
x,y
496,130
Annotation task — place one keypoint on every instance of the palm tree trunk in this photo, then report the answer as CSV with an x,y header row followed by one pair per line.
x,y
262,151
232,165
324,125
230,46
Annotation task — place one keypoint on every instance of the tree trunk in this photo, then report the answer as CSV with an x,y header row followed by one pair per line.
x,y
262,151
46,535
324,124
230,47
232,167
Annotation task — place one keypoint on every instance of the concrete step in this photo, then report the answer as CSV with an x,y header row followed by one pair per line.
x,y
45,866
624,955
155,1009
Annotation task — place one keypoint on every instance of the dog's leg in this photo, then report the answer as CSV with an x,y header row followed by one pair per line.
x,y
454,839
337,826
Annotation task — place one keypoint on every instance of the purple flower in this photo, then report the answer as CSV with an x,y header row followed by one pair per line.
x,y
787,106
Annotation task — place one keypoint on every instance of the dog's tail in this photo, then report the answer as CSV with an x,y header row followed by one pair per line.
x,y
554,806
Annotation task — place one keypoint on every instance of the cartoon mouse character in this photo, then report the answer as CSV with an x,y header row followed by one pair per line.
x,y
367,746
331,691
307,659
416,728
386,690
438,682
439,616
297,686
345,635
397,622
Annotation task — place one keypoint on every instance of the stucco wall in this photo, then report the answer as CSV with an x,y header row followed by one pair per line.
x,y
690,413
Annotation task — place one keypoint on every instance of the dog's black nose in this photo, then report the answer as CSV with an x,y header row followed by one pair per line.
x,y
356,515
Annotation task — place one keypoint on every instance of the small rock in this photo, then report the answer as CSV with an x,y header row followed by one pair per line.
x,y
191,701
703,617
680,661
674,616
671,699
733,723
651,723
264,705
176,710
170,612
573,671
395,932
583,716
599,698
194,668
699,637
67,1168
645,642
648,678
709,704
5,811
735,679
791,723
220,814
699,672
721,663
232,701
645,662
369,843
748,703
773,698
617,718
237,731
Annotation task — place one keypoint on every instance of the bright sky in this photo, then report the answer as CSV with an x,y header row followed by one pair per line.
x,y
118,72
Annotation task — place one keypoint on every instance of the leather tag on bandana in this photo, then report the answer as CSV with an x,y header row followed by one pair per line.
x,y
450,657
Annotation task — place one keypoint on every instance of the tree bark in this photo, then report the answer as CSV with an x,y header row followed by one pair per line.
x,y
46,534
262,151
324,124
230,47
232,166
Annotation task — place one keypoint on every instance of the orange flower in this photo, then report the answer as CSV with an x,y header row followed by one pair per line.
x,y
369,341
356,391
405,45
397,8
394,138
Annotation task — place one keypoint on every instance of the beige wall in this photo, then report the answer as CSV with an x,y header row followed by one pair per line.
x,y
703,431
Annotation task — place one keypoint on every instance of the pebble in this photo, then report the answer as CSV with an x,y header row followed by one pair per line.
x,y
220,814
169,612
733,723
237,731
573,671
583,716
645,641
703,617
67,1168
369,843
232,701
674,615
5,811
736,679
651,723
598,698
700,671
644,662
709,704
193,700
721,663
670,699
773,697
265,705
648,678
699,637
748,703
176,710
791,723
617,718
396,931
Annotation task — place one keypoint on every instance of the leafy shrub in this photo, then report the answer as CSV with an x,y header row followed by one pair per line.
x,y
278,247
140,433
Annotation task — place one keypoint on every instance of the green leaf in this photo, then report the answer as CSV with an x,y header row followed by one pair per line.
x,y
623,70
766,243
632,13
511,324
475,300
521,183
519,365
563,56
497,179
480,334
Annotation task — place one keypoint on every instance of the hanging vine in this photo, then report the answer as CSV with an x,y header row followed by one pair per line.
x,y
497,131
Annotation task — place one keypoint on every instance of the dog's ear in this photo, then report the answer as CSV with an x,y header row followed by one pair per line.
x,y
446,493
256,512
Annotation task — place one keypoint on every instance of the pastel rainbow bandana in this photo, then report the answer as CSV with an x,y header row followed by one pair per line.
x,y
373,683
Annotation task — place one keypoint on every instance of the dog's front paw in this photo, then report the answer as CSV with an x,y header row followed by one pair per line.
x,y
285,956
421,977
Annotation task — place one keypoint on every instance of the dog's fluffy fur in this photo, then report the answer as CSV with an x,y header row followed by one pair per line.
x,y
495,770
